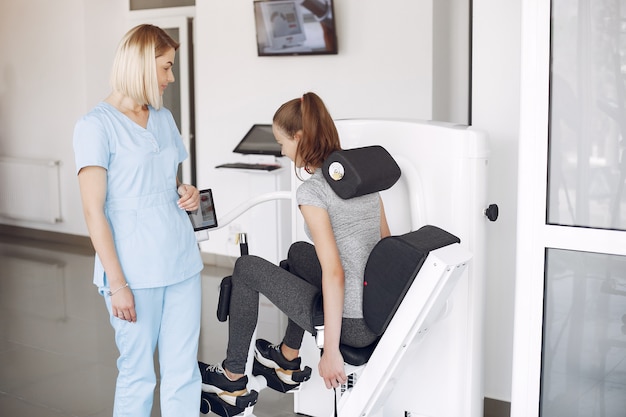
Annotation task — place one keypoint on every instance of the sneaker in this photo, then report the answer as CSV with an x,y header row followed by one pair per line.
x,y
215,381
287,371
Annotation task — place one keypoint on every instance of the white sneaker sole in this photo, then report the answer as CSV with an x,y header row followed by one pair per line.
x,y
228,397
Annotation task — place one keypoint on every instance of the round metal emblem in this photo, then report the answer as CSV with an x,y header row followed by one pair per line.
x,y
335,170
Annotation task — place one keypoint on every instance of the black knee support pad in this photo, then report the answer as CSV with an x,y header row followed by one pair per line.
x,y
223,303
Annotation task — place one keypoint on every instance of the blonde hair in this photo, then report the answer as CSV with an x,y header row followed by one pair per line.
x,y
134,72
319,134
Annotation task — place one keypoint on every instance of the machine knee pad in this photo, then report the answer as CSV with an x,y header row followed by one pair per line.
x,y
223,303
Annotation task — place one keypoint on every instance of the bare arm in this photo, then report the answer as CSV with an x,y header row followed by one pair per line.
x,y
384,227
93,186
331,366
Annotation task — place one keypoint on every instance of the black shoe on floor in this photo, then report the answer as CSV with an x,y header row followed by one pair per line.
x,y
287,371
215,381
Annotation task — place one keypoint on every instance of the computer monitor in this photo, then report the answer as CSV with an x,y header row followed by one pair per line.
x,y
259,141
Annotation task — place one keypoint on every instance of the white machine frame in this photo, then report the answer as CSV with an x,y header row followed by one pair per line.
x,y
443,183
422,306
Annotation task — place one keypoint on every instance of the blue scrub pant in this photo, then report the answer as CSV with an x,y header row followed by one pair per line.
x,y
167,317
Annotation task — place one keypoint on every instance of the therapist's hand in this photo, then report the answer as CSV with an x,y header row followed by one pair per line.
x,y
123,305
189,197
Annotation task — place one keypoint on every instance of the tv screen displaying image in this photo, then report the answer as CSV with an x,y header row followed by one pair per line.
x,y
295,27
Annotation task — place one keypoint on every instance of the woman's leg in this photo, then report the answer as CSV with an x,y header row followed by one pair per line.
x,y
178,349
253,275
136,343
303,262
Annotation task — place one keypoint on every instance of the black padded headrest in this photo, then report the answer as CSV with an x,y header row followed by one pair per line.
x,y
360,171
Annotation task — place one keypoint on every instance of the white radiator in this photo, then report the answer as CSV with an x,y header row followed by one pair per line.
x,y
30,189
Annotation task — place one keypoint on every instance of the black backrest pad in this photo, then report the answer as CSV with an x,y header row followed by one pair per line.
x,y
391,268
360,171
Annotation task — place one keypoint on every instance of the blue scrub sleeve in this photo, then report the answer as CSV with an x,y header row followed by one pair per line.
x,y
180,147
91,145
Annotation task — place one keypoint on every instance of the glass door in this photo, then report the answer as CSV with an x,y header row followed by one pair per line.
x,y
570,315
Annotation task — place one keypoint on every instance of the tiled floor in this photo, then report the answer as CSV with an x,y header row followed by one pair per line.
x,y
57,354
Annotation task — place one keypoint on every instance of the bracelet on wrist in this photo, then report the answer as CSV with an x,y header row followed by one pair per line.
x,y
110,293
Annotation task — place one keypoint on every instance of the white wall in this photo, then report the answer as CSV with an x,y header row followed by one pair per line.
x,y
54,65
383,69
56,58
495,108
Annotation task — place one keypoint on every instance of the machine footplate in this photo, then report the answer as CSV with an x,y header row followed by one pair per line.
x,y
212,402
274,382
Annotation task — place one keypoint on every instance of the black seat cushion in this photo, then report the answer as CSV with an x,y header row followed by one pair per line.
x,y
357,356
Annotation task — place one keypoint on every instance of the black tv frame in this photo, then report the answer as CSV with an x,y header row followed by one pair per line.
x,y
321,11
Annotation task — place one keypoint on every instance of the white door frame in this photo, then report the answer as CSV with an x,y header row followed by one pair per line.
x,y
533,234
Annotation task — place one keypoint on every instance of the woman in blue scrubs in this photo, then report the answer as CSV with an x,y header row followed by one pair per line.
x,y
147,265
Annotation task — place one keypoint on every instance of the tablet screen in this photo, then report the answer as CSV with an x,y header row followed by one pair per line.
x,y
204,217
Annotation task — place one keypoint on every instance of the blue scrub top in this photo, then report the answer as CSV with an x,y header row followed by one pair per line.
x,y
154,238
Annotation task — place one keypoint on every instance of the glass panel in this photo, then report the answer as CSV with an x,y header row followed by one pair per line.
x,y
588,117
157,4
584,336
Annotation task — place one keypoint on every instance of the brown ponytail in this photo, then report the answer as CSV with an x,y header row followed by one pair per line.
x,y
319,134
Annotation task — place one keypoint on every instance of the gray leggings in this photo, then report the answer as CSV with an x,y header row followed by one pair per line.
x,y
294,292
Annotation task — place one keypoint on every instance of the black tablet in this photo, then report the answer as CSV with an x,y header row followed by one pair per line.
x,y
204,217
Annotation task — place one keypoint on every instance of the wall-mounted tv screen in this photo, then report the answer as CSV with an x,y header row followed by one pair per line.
x,y
298,27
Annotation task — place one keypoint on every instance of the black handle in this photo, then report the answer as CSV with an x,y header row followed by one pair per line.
x,y
492,212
